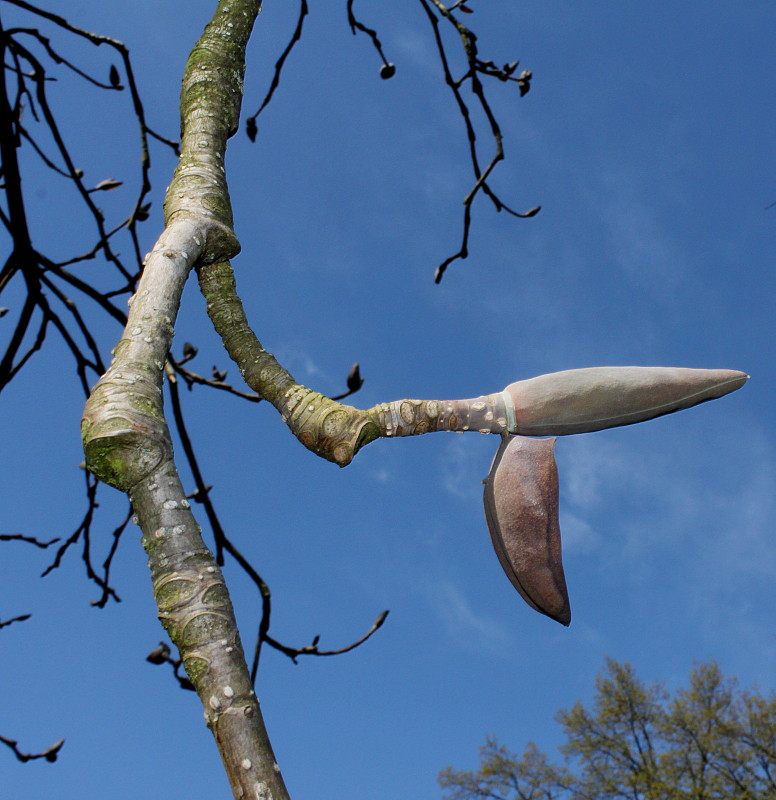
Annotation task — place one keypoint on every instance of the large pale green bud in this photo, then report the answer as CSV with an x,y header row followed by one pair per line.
x,y
583,400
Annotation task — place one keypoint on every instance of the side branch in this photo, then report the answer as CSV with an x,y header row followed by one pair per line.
x,y
573,401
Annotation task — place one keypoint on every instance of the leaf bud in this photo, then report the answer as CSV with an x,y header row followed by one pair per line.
x,y
115,78
355,381
159,655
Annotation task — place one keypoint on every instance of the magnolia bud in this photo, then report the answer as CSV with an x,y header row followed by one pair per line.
x,y
521,509
584,400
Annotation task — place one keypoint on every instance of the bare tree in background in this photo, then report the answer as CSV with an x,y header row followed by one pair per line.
x,y
124,428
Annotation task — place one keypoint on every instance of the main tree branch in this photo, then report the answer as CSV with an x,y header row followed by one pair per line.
x,y
126,438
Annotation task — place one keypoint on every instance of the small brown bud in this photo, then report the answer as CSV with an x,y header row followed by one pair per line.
x,y
159,655
115,79
251,128
186,684
189,351
355,381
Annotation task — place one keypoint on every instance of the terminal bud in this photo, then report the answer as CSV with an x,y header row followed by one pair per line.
x,y
584,400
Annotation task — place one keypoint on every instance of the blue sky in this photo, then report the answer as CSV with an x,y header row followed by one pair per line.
x,y
648,140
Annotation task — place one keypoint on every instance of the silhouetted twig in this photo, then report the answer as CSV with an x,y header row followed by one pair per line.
x,y
388,70
84,530
475,68
38,314
295,37
19,537
5,622
312,649
161,655
50,753
107,592
191,378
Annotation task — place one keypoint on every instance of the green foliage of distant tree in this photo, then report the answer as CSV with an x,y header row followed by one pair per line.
x,y
709,741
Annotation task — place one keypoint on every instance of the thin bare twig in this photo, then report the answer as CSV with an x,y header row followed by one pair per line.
x,y
5,622
190,378
356,25
475,68
161,655
50,754
84,529
312,649
20,537
106,565
295,37
59,59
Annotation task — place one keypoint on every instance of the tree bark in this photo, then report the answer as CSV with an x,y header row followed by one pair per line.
x,y
127,441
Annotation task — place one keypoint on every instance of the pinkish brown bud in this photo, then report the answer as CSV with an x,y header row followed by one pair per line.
x,y
583,400
521,508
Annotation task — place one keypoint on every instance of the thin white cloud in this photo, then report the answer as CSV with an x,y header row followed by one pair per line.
x,y
578,536
463,466
310,367
588,464
640,245
696,514
301,365
474,631
416,47
382,476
